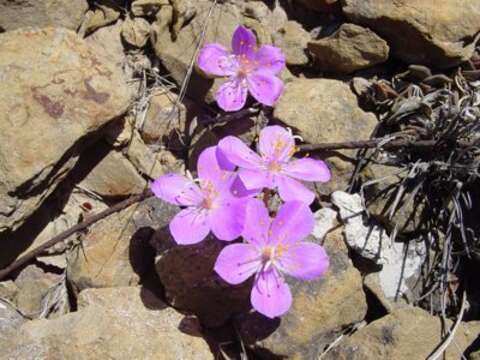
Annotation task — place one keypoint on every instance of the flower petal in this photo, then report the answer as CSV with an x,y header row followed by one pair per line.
x,y
237,262
304,260
227,220
270,295
294,222
215,60
223,161
256,179
265,87
232,95
270,58
239,189
244,42
238,153
189,226
276,143
177,190
257,223
290,190
308,169
208,167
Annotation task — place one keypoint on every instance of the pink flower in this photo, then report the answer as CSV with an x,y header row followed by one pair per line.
x,y
248,69
273,248
274,168
210,205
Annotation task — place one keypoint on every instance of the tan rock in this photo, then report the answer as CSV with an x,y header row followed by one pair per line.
x,y
114,176
323,110
136,32
119,323
50,112
428,32
40,13
349,49
115,251
293,39
407,333
320,309
105,12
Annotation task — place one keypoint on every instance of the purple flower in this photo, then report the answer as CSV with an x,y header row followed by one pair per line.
x,y
248,69
211,204
273,248
274,168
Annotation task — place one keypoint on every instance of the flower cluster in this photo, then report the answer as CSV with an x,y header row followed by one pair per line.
x,y
224,200
249,69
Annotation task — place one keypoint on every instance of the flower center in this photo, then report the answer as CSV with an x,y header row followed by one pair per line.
x,y
274,166
210,196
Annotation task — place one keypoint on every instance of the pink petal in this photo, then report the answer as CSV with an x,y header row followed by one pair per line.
x,y
177,190
304,260
238,153
232,95
223,161
237,262
228,219
208,167
270,58
257,223
215,60
307,169
294,222
256,179
265,87
271,295
291,189
244,42
189,226
276,143
239,189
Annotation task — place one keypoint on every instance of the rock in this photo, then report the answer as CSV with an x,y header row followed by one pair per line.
x,y
293,39
40,13
8,290
147,8
408,333
349,49
320,5
118,323
176,50
425,32
320,309
105,12
186,273
114,176
33,286
115,251
325,220
136,32
381,184
67,97
323,110
151,164
10,319
165,119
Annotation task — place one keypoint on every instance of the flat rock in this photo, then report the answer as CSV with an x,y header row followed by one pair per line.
x,y
428,32
320,309
40,13
324,110
119,323
349,49
115,251
407,333
66,98
293,39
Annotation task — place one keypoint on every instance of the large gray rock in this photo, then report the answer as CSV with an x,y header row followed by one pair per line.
x,y
16,14
117,323
323,110
429,32
349,49
50,111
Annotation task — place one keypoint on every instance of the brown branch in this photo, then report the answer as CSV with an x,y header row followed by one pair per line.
x,y
81,226
372,143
